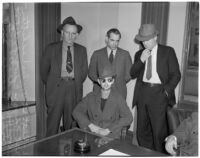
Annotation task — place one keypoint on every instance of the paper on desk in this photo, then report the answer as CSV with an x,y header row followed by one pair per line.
x,y
112,152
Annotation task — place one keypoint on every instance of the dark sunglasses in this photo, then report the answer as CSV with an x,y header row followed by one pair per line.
x,y
109,80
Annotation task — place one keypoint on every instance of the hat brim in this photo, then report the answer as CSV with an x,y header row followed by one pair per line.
x,y
145,38
60,27
108,75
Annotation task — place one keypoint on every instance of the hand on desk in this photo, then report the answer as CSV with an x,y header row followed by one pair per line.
x,y
96,129
103,132
171,144
103,141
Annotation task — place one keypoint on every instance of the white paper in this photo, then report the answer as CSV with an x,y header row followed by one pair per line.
x,y
112,152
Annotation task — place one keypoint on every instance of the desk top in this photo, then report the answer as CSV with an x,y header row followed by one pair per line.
x,y
62,144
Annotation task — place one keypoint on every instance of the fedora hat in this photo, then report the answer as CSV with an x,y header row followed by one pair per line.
x,y
107,71
146,32
71,21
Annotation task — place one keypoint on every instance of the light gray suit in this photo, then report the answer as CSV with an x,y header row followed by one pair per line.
x,y
121,64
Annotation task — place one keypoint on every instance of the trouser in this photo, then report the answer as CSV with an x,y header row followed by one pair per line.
x,y
63,102
152,127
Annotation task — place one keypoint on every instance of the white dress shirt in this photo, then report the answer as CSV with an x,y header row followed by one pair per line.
x,y
109,51
154,78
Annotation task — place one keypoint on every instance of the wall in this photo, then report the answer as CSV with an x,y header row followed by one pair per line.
x,y
176,28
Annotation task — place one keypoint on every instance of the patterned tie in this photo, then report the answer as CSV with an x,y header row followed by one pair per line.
x,y
69,66
111,57
149,68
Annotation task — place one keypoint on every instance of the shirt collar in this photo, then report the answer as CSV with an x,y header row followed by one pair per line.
x,y
109,50
154,50
65,45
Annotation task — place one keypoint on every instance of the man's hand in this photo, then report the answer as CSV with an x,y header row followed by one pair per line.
x,y
145,54
94,128
102,141
171,144
103,132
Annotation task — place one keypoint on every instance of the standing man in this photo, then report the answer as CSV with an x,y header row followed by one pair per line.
x,y
112,55
157,71
64,68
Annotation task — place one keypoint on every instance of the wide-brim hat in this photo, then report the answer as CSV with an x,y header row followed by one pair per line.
x,y
107,71
146,32
71,21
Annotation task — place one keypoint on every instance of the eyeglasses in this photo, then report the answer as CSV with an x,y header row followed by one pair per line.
x,y
109,80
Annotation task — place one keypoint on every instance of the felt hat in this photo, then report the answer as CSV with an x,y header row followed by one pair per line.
x,y
107,71
146,32
71,21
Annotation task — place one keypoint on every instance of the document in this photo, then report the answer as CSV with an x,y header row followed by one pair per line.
x,y
112,152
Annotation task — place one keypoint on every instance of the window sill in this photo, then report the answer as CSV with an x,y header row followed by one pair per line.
x,y
6,106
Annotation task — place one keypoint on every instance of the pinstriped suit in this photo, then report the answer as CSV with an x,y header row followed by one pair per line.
x,y
61,95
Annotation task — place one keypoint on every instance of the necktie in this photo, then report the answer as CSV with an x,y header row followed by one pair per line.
x,y
149,68
111,57
69,66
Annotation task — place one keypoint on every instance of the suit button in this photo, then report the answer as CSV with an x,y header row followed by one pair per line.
x,y
58,85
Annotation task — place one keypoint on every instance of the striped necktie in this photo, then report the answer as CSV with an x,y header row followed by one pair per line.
x,y
69,65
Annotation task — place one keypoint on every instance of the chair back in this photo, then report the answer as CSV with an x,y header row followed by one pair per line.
x,y
175,116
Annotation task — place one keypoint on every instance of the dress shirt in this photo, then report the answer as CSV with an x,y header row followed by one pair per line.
x,y
64,72
154,78
109,51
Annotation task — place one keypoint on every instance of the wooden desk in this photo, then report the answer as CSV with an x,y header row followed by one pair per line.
x,y
56,145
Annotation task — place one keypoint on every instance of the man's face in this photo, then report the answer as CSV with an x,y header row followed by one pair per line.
x,y
106,83
150,43
113,41
69,33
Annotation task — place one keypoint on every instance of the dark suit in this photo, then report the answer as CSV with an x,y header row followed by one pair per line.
x,y
152,102
62,95
121,64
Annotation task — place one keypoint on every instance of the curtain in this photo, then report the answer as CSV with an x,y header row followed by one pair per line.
x,y
157,13
47,19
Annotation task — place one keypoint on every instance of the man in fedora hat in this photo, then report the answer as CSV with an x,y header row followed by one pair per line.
x,y
64,68
157,71
112,55
104,112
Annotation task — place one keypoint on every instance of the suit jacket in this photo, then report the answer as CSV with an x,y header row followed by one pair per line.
x,y
167,69
116,113
187,136
51,69
121,64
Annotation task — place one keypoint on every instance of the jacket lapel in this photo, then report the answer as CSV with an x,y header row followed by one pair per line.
x,y
58,56
98,103
159,62
75,59
116,57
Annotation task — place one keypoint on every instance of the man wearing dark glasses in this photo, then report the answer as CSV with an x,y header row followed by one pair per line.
x,y
104,112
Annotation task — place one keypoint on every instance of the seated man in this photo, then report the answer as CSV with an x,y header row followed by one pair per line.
x,y
104,112
185,138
